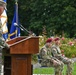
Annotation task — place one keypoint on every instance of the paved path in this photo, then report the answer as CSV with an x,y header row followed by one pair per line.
x,y
74,59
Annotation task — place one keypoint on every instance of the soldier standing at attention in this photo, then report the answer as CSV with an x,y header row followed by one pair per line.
x,y
3,44
56,52
47,60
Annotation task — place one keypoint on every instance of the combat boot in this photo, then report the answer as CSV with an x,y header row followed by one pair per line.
x,y
57,73
68,73
60,73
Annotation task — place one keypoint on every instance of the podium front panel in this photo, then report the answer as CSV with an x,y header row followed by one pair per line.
x,y
21,65
25,46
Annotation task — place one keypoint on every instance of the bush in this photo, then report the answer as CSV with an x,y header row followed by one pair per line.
x,y
67,45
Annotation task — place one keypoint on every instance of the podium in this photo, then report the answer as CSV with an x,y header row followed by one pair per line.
x,y
17,59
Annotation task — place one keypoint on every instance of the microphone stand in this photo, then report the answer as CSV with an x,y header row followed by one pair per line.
x,y
24,29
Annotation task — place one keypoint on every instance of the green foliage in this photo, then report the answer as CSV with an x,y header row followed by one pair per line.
x,y
68,46
56,15
42,41
34,58
43,70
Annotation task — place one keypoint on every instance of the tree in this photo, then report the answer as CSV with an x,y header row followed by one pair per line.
x,y
57,15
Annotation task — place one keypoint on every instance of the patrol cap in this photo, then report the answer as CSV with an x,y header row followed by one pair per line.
x,y
2,3
49,40
56,39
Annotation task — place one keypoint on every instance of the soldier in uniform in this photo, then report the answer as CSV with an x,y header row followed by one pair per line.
x,y
3,44
47,60
56,52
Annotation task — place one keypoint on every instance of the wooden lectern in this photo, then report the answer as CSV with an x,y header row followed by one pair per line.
x,y
17,60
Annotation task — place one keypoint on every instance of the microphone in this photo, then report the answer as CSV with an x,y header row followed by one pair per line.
x,y
15,24
23,29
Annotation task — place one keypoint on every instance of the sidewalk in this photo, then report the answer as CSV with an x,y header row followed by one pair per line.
x,y
74,59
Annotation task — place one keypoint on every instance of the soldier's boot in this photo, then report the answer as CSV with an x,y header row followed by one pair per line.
x,y
60,73
68,73
57,73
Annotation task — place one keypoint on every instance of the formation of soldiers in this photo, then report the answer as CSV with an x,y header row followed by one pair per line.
x,y
51,56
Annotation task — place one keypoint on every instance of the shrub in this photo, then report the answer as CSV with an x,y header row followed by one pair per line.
x,y
69,47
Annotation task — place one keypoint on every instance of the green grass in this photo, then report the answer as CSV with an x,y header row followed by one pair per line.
x,y
51,70
43,71
74,69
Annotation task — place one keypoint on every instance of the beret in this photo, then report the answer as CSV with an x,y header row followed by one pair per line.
x,y
49,40
56,39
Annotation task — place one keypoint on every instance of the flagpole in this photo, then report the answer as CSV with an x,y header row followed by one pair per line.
x,y
16,2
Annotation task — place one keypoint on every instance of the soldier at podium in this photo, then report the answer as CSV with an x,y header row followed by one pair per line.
x,y
3,44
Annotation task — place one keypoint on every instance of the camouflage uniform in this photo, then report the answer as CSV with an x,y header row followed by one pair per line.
x,y
56,52
3,44
47,60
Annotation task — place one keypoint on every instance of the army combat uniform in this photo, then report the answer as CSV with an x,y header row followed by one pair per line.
x,y
3,44
47,60
56,52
